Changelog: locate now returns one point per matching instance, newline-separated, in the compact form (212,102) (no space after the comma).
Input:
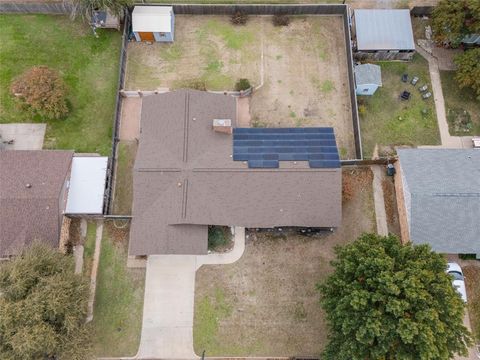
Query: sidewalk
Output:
(167,328)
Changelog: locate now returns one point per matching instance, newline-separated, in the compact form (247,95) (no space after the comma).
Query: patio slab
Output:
(24,136)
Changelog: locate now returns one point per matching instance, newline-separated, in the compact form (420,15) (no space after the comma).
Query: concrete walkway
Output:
(379,201)
(24,136)
(93,274)
(167,328)
(448,141)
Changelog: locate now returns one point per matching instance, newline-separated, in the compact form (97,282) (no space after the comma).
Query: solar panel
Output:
(265,147)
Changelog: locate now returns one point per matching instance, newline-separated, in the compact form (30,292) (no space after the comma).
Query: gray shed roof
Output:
(383,30)
(368,74)
(185,178)
(445,197)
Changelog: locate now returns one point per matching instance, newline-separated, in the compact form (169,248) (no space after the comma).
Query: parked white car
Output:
(458,279)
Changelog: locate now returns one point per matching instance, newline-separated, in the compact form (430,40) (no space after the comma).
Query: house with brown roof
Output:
(38,188)
(194,168)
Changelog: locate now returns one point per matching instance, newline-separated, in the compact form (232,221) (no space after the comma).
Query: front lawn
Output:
(461,106)
(117,317)
(266,303)
(89,66)
(387,120)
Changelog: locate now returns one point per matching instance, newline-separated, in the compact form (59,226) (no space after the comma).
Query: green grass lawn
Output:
(89,66)
(122,202)
(461,105)
(387,121)
(117,317)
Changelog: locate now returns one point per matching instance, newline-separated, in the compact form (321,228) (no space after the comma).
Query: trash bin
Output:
(390,170)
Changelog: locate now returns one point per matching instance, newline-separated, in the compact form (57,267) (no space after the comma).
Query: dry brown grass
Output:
(266,304)
(472,282)
(391,208)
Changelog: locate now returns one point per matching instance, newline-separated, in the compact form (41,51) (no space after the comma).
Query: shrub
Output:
(239,18)
(242,84)
(195,84)
(281,20)
(467,256)
(218,236)
(362,109)
(43,91)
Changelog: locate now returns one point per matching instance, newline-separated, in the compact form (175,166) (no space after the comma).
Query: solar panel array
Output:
(265,147)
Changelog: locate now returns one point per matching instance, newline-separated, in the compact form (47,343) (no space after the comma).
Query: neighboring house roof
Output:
(383,30)
(87,185)
(185,179)
(31,203)
(445,197)
(368,74)
(152,19)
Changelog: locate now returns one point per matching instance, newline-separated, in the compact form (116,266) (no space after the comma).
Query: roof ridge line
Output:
(185,126)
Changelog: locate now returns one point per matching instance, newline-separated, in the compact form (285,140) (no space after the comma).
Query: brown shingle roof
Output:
(185,179)
(32,212)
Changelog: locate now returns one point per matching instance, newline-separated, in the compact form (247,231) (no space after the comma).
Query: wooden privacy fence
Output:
(112,161)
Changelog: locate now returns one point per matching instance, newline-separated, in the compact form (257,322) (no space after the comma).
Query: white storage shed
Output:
(153,23)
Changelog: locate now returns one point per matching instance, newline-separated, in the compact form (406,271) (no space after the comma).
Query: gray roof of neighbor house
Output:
(383,29)
(445,197)
(368,74)
(185,179)
(31,204)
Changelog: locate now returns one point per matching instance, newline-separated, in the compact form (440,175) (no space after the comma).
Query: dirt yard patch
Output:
(472,281)
(130,119)
(266,304)
(300,69)
(391,208)
(207,49)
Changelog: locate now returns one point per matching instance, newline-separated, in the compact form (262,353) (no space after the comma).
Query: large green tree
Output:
(42,307)
(453,19)
(388,301)
(468,70)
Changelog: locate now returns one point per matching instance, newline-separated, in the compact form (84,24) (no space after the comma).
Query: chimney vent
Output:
(222,126)
(28,186)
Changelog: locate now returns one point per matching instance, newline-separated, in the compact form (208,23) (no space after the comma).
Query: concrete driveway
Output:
(24,136)
(167,327)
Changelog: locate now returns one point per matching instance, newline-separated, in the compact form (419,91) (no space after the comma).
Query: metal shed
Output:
(368,78)
(153,23)
(386,33)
